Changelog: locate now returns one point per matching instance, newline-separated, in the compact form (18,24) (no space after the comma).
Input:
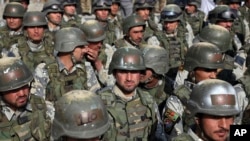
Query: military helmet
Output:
(127,58)
(34,18)
(69,2)
(132,21)
(233,1)
(203,55)
(171,12)
(221,12)
(94,31)
(80,114)
(139,4)
(67,39)
(20,1)
(116,1)
(13,74)
(52,6)
(196,3)
(155,58)
(13,9)
(217,35)
(101,4)
(213,97)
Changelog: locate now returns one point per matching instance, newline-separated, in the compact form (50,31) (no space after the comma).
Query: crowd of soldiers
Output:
(113,70)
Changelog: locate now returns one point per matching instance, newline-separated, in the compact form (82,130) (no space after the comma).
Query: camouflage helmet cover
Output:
(52,6)
(13,9)
(196,3)
(80,114)
(155,58)
(127,58)
(34,18)
(69,2)
(213,97)
(138,4)
(171,12)
(203,55)
(132,21)
(94,31)
(67,39)
(13,74)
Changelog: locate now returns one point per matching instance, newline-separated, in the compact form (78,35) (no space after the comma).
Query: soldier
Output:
(133,30)
(202,62)
(145,10)
(244,10)
(194,16)
(70,16)
(53,12)
(132,110)
(67,72)
(115,17)
(101,10)
(153,80)
(213,105)
(173,39)
(80,115)
(37,45)
(224,16)
(23,115)
(9,34)
(99,52)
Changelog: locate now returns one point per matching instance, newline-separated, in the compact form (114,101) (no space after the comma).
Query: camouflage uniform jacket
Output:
(31,123)
(123,42)
(196,21)
(189,136)
(132,118)
(53,80)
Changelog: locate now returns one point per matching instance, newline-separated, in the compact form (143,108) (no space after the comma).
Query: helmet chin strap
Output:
(73,58)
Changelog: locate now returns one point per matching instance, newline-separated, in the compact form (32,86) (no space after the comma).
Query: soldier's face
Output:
(170,27)
(147,76)
(190,9)
(35,33)
(234,5)
(127,80)
(17,98)
(115,9)
(215,128)
(136,34)
(102,14)
(144,13)
(14,23)
(70,10)
(55,17)
(79,53)
(226,24)
(203,74)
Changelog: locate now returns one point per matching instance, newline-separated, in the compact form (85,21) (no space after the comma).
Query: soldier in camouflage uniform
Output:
(146,11)
(36,46)
(133,111)
(224,16)
(52,10)
(23,116)
(133,30)
(67,72)
(9,34)
(101,10)
(213,105)
(194,16)
(173,39)
(245,12)
(115,17)
(70,16)
(202,62)
(156,62)
(80,115)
